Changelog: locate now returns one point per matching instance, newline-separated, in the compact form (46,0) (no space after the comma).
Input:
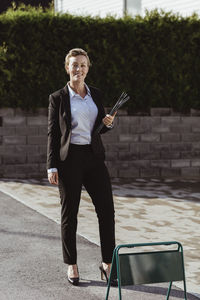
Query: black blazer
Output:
(59,126)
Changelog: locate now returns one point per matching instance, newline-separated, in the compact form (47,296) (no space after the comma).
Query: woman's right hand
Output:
(53,178)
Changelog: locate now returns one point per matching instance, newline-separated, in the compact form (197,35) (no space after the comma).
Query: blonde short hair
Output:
(75,52)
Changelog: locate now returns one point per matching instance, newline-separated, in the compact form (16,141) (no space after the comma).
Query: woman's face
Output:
(77,68)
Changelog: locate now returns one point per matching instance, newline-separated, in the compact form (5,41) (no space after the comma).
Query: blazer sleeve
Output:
(54,134)
(105,128)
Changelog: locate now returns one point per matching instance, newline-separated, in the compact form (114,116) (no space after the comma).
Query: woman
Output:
(75,157)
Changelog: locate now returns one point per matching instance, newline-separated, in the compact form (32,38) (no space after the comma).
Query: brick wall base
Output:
(137,147)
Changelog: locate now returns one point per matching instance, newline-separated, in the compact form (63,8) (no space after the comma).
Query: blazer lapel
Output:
(66,106)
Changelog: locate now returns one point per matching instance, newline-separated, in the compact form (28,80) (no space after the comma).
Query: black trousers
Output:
(82,167)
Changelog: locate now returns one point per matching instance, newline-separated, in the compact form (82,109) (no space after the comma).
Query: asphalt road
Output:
(31,266)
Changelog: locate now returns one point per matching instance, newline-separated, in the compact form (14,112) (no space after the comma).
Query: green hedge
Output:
(155,59)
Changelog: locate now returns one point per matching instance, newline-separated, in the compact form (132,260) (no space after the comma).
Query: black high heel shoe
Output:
(73,280)
(113,282)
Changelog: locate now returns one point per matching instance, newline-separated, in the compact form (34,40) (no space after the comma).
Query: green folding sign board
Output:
(136,268)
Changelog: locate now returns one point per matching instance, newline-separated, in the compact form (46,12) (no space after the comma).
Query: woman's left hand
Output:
(108,120)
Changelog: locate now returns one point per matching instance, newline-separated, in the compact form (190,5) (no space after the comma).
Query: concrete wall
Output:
(90,7)
(156,146)
(115,7)
(183,7)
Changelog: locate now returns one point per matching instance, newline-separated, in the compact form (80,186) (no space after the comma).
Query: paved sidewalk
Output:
(32,267)
(146,211)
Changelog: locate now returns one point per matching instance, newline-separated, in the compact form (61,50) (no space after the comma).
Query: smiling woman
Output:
(75,157)
(77,67)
